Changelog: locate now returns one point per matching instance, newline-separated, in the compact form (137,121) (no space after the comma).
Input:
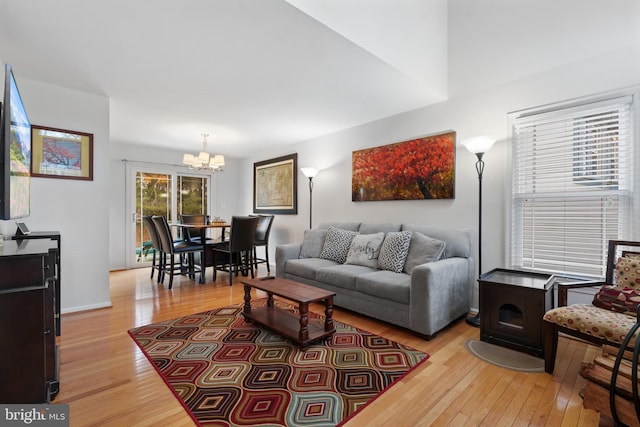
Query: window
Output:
(572,185)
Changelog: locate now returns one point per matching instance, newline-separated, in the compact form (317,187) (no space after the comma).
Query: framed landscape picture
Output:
(60,153)
(275,185)
(421,168)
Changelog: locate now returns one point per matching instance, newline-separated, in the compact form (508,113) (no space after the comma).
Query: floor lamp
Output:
(310,173)
(478,146)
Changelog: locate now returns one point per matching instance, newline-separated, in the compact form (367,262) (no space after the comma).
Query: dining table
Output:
(203,238)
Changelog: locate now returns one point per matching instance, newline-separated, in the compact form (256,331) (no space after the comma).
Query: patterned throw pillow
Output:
(394,251)
(616,299)
(337,244)
(628,272)
(365,249)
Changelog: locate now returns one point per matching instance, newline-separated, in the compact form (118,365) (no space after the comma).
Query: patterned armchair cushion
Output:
(613,298)
(628,272)
(592,320)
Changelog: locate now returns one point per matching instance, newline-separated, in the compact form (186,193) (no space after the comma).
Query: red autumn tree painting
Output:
(421,168)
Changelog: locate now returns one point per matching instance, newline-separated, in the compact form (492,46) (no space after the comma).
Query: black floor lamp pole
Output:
(310,200)
(475,320)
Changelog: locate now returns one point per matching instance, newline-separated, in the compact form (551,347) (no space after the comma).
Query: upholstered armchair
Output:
(613,310)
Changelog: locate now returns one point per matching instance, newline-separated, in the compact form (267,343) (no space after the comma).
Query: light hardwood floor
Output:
(107,381)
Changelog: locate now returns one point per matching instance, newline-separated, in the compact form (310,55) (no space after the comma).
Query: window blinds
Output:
(571,186)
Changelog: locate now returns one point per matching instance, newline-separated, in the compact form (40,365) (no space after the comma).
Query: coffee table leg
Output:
(328,313)
(270,300)
(304,321)
(247,299)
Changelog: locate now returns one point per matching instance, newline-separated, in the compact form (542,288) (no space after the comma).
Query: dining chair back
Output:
(193,234)
(185,250)
(236,253)
(263,230)
(148,224)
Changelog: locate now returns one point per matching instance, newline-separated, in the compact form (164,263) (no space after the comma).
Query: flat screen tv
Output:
(15,152)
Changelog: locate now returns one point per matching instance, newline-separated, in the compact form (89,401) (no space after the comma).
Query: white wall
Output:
(78,209)
(471,115)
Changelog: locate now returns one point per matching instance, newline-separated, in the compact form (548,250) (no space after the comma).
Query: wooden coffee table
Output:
(297,328)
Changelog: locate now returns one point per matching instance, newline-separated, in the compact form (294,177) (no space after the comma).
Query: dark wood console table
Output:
(29,356)
(55,236)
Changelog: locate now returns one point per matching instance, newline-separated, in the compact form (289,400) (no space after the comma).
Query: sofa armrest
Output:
(440,293)
(284,253)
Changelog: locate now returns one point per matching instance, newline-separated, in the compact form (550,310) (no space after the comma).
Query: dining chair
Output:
(236,253)
(193,234)
(262,239)
(171,248)
(155,244)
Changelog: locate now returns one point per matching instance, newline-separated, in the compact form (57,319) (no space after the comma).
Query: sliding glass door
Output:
(154,191)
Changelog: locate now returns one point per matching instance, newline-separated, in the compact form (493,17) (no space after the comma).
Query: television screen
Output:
(16,153)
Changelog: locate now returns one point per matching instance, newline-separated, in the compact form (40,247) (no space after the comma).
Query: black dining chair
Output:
(236,253)
(170,249)
(155,245)
(262,239)
(193,234)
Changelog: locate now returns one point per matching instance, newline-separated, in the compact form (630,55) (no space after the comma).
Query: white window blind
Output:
(571,186)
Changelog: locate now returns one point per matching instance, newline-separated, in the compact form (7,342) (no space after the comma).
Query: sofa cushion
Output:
(394,251)
(628,272)
(342,275)
(387,227)
(458,241)
(365,249)
(386,285)
(312,243)
(423,249)
(307,267)
(351,226)
(337,244)
(613,298)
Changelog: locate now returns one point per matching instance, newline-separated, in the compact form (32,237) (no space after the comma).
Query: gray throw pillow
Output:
(365,249)
(394,251)
(423,249)
(337,244)
(312,243)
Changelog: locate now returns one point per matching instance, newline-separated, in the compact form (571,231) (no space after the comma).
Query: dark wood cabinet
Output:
(512,304)
(55,236)
(29,356)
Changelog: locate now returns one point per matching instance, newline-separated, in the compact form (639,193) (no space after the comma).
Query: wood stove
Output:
(512,304)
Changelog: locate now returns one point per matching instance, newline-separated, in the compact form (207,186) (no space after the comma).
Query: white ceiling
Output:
(272,72)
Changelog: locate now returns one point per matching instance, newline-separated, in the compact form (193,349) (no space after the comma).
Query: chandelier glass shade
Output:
(204,160)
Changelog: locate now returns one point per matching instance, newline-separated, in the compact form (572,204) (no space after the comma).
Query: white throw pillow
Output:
(365,249)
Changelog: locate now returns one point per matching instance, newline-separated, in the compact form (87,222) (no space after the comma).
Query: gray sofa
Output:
(424,297)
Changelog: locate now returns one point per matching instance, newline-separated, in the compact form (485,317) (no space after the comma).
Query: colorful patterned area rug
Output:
(228,372)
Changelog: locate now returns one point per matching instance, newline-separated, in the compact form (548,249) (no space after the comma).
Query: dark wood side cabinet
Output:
(512,304)
(29,356)
(55,236)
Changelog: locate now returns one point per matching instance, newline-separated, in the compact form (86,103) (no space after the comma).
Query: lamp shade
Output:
(309,172)
(479,144)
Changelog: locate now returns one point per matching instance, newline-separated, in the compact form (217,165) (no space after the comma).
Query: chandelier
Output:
(204,160)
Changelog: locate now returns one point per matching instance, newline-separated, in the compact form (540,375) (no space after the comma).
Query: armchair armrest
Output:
(563,288)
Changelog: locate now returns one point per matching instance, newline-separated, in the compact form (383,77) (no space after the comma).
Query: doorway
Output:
(154,191)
